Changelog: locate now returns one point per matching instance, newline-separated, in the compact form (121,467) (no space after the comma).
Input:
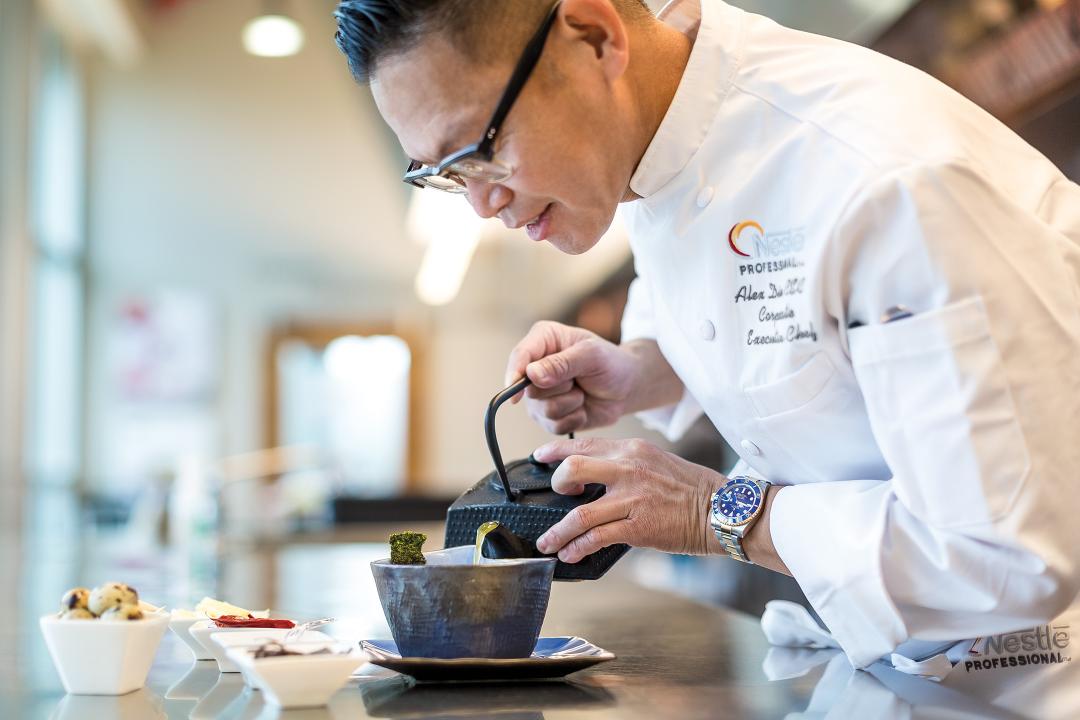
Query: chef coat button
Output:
(708,331)
(750,448)
(705,196)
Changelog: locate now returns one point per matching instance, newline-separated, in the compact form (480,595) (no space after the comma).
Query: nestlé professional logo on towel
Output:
(1043,645)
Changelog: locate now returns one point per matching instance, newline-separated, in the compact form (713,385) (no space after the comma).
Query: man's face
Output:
(561,138)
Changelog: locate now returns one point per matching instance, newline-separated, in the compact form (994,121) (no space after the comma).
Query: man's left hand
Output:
(653,499)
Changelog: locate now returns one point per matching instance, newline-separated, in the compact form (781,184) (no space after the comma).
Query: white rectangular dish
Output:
(215,639)
(299,681)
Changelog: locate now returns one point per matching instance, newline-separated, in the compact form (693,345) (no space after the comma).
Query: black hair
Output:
(369,31)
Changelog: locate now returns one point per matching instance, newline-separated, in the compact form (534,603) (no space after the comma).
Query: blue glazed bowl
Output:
(450,608)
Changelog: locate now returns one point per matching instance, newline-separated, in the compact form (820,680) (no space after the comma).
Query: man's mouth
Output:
(538,227)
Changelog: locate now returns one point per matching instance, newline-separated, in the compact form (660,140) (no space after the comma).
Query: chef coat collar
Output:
(714,59)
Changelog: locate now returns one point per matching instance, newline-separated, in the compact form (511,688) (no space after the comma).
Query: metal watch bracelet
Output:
(731,543)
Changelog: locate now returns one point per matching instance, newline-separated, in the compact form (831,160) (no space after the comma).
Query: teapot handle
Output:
(493,441)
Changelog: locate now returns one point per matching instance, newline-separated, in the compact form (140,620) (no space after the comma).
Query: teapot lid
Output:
(528,475)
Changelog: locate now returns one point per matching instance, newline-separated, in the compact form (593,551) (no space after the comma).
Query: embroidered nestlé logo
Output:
(1043,645)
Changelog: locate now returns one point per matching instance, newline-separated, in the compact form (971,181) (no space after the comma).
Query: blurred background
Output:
(225,324)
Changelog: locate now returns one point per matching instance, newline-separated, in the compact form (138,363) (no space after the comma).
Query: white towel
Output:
(790,625)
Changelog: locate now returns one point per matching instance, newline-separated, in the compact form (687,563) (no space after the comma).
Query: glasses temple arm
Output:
(529,57)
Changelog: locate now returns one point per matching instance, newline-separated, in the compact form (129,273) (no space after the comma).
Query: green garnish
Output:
(407,548)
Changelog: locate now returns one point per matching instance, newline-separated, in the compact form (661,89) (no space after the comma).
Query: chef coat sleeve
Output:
(974,402)
(741,467)
(639,323)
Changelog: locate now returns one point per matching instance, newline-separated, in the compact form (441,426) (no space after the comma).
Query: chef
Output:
(869,285)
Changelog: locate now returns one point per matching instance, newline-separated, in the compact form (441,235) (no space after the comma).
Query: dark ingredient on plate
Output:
(276,649)
(407,548)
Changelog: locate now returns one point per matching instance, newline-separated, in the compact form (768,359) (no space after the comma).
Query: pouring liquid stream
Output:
(481,535)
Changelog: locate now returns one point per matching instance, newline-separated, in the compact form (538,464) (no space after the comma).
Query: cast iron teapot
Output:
(519,497)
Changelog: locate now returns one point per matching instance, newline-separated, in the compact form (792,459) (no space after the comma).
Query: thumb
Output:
(583,358)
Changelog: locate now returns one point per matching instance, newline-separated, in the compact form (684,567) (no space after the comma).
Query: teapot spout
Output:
(500,543)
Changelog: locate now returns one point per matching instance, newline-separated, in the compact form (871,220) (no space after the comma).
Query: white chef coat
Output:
(798,190)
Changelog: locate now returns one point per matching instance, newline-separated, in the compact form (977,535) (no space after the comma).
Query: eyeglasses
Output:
(477,161)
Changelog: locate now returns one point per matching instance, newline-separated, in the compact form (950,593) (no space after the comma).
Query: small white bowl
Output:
(180,627)
(229,643)
(202,640)
(223,641)
(204,631)
(101,657)
(299,681)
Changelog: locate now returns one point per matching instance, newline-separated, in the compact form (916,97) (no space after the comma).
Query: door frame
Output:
(321,334)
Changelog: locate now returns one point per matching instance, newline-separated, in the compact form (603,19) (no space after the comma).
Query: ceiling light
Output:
(273,35)
(444,267)
(450,230)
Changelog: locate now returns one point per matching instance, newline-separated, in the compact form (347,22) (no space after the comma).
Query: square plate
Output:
(553,657)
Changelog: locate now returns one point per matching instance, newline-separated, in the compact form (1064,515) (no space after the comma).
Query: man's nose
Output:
(487,199)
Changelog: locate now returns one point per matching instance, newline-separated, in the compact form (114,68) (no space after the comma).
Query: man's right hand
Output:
(580,380)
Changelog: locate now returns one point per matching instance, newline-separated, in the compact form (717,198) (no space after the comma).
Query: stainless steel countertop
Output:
(676,658)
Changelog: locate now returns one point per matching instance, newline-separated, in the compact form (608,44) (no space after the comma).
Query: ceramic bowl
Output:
(299,681)
(223,642)
(450,608)
(180,626)
(99,657)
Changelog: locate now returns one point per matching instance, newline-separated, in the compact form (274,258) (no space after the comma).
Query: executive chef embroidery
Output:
(771,294)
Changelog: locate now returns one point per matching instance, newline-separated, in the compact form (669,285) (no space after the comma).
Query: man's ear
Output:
(597,26)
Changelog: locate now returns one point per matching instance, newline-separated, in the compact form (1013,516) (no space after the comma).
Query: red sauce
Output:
(233,621)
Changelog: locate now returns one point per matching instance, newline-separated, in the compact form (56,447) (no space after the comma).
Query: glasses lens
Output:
(477,168)
(448,183)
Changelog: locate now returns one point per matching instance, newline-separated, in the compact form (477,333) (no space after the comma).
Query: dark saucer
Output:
(554,657)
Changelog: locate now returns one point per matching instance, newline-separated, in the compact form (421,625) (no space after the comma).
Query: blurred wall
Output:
(271,187)
(16,22)
(248,180)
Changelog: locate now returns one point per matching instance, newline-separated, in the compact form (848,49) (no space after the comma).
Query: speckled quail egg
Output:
(76,614)
(111,595)
(75,599)
(123,612)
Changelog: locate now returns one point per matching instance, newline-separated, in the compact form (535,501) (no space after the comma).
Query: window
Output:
(349,398)
(53,440)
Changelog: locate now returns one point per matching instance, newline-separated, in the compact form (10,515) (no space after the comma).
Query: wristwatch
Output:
(734,509)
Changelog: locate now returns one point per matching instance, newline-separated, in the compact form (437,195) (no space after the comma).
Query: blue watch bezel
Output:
(744,517)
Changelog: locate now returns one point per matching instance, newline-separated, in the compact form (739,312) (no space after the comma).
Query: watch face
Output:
(737,502)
